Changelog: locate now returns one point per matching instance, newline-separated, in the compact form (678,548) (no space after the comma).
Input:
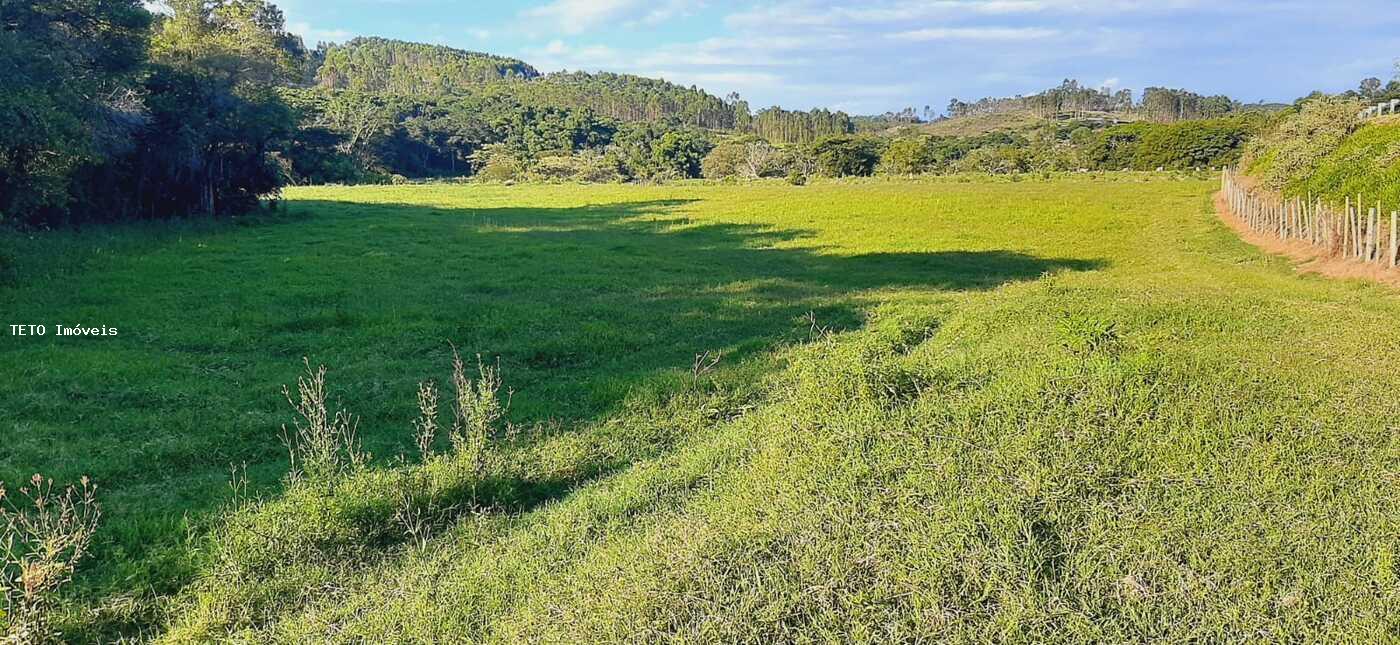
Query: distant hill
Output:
(633,98)
(399,67)
(384,66)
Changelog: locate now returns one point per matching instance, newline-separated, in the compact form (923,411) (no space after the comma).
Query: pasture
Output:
(957,408)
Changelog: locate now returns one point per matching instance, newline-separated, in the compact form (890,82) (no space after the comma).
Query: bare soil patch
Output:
(1307,257)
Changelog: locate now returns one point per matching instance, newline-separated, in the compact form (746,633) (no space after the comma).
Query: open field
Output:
(1034,411)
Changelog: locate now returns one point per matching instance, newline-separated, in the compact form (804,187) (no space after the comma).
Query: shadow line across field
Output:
(585,307)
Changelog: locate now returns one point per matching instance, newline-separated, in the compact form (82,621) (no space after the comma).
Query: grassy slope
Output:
(968,126)
(1170,435)
(1367,164)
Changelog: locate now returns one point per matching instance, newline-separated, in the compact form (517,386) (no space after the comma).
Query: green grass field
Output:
(959,409)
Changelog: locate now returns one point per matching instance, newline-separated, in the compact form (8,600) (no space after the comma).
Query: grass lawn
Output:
(962,409)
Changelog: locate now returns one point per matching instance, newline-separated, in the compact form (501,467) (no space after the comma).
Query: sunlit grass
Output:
(1029,411)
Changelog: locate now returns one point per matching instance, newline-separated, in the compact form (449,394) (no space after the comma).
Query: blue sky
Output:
(869,57)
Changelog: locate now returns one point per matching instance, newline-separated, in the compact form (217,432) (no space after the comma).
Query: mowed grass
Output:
(1021,411)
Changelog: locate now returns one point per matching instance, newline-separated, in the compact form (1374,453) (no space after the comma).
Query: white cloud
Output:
(579,16)
(809,13)
(313,35)
(1013,34)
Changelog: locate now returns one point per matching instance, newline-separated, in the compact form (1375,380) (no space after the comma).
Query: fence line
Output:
(1356,232)
(1384,107)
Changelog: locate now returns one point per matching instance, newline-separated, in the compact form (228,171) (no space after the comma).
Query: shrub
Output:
(476,410)
(555,168)
(723,161)
(1191,144)
(846,156)
(1293,148)
(1366,164)
(907,157)
(497,163)
(324,447)
(997,160)
(597,168)
(679,153)
(1116,148)
(42,539)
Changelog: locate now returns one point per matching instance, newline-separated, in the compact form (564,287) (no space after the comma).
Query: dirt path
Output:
(1307,258)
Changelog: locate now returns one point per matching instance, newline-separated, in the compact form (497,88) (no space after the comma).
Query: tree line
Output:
(111,112)
(1164,105)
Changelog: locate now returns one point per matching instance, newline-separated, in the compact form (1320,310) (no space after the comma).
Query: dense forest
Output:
(110,112)
(394,66)
(212,105)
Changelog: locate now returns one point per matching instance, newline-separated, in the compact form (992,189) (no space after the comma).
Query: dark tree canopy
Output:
(67,69)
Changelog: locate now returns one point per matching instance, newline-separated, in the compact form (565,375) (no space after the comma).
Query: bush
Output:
(1290,152)
(723,161)
(496,163)
(996,160)
(1366,164)
(679,153)
(907,157)
(42,539)
(597,168)
(555,168)
(847,156)
(1192,144)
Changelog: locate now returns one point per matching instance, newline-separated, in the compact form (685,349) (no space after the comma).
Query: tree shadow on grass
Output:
(582,303)
(584,306)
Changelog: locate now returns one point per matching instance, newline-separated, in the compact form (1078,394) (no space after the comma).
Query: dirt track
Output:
(1307,258)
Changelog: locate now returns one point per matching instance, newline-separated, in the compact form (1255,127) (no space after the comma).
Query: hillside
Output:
(1367,164)
(1320,151)
(395,66)
(627,97)
(383,66)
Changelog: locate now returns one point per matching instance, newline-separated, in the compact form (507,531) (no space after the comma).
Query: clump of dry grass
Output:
(324,445)
(44,535)
(477,410)
(425,426)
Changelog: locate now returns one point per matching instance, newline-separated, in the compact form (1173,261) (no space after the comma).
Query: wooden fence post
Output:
(1371,234)
(1394,243)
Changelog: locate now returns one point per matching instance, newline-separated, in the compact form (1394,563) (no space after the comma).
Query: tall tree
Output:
(64,65)
(211,95)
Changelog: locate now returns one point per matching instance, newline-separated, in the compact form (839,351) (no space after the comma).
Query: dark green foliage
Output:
(426,136)
(398,67)
(1189,144)
(679,153)
(207,147)
(782,126)
(625,97)
(99,121)
(847,156)
(1116,148)
(64,67)
(380,65)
